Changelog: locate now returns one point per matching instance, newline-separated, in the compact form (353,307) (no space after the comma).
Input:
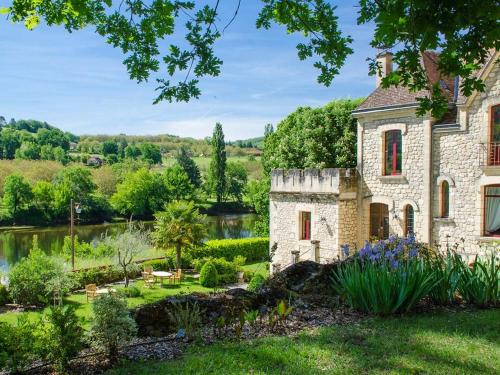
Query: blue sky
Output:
(78,83)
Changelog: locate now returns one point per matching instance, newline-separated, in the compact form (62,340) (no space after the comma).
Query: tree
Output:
(17,193)
(53,137)
(132,151)
(127,246)
(28,151)
(43,199)
(11,142)
(109,147)
(177,183)
(218,163)
(258,194)
(72,183)
(47,152)
(181,225)
(314,138)
(112,326)
(140,194)
(236,180)
(463,30)
(151,153)
(189,167)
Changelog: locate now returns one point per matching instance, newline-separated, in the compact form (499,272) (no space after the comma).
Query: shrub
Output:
(254,249)
(239,260)
(479,284)
(4,295)
(130,292)
(29,278)
(383,287)
(112,326)
(17,344)
(256,283)
(208,276)
(187,319)
(445,271)
(60,337)
(226,271)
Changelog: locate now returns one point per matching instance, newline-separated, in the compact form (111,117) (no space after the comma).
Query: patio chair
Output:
(176,276)
(149,280)
(91,291)
(148,269)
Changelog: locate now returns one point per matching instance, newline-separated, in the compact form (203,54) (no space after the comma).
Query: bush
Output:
(256,283)
(226,271)
(445,272)
(112,326)
(208,276)
(254,249)
(479,284)
(99,276)
(17,344)
(4,295)
(156,264)
(383,287)
(130,292)
(29,278)
(60,337)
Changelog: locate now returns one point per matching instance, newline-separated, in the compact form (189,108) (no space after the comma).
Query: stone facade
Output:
(340,200)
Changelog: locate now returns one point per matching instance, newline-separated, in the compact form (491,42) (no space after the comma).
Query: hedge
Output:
(254,249)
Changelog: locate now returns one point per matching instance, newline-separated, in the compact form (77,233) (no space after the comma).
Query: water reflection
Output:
(15,244)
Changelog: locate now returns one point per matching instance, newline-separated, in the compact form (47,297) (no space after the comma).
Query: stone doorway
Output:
(379,221)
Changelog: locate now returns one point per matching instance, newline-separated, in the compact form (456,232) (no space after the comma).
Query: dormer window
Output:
(393,153)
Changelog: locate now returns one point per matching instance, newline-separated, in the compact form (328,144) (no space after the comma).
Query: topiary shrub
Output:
(226,270)
(209,277)
(130,292)
(256,283)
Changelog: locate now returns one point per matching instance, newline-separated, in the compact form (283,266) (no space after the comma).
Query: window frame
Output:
(394,134)
(485,197)
(444,207)
(305,226)
(406,227)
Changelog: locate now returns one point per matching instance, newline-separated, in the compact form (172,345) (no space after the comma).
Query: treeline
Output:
(33,140)
(129,188)
(169,145)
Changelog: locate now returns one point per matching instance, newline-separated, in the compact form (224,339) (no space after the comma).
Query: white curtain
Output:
(492,209)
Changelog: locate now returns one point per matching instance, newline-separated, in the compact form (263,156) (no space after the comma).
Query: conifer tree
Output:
(218,163)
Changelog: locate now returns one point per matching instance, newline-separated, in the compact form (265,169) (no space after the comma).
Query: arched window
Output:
(409,220)
(393,152)
(445,199)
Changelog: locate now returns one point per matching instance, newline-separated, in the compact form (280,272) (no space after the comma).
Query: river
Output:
(15,243)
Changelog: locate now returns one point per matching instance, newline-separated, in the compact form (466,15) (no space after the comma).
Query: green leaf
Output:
(4,10)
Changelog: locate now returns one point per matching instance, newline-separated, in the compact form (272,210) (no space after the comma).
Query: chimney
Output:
(384,59)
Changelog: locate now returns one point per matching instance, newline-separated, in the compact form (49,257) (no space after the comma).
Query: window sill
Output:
(444,220)
(393,179)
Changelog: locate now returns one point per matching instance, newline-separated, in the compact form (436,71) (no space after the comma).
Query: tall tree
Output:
(17,193)
(218,163)
(180,226)
(189,166)
(463,30)
(177,183)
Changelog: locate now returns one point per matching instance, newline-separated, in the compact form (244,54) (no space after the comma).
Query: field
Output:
(447,342)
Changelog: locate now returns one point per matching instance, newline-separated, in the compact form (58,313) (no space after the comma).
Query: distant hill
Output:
(257,143)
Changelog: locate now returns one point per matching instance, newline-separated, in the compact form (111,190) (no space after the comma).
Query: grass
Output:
(259,267)
(466,342)
(84,309)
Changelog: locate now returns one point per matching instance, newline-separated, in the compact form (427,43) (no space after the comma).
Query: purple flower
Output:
(392,238)
(394,264)
(413,252)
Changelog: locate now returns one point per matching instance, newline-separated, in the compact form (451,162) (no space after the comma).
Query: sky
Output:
(78,83)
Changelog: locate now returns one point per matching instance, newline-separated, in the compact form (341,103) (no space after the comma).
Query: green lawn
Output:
(83,308)
(260,267)
(466,342)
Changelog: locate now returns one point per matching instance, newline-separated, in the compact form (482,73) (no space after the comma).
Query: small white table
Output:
(161,275)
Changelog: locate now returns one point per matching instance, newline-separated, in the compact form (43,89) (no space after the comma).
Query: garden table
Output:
(161,275)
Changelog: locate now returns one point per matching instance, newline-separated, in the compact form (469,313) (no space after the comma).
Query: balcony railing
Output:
(489,154)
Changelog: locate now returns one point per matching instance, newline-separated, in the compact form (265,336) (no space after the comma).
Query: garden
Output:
(338,313)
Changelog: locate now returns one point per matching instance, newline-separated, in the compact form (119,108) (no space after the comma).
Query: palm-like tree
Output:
(181,225)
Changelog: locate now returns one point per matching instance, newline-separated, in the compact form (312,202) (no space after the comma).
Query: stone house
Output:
(439,179)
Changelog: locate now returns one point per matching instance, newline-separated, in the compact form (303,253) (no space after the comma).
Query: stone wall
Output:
(330,196)
(395,191)
(456,159)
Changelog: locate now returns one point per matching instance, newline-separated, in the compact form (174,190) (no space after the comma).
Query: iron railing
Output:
(489,154)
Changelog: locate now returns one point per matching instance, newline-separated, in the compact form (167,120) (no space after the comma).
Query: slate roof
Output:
(395,96)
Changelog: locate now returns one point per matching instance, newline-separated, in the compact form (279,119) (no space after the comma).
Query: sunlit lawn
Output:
(466,342)
(149,295)
(260,267)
